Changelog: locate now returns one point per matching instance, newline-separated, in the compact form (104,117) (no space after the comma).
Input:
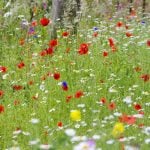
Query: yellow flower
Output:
(75,115)
(118,129)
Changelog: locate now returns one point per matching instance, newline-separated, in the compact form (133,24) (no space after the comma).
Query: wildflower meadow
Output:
(83,91)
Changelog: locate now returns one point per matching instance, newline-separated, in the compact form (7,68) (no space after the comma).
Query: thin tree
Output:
(57,14)
(117,5)
(143,7)
(31,9)
(58,9)
(130,7)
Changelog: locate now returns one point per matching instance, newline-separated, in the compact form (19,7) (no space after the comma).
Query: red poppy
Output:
(137,69)
(141,112)
(49,51)
(137,107)
(43,77)
(114,48)
(126,26)
(17,87)
(148,42)
(1,108)
(79,94)
(105,54)
(112,44)
(16,102)
(68,98)
(43,53)
(128,34)
(112,106)
(101,81)
(127,119)
(65,34)
(21,65)
(141,125)
(53,43)
(59,124)
(44,21)
(83,49)
(131,120)
(103,100)
(119,24)
(95,34)
(21,41)
(133,13)
(30,82)
(3,69)
(145,77)
(1,93)
(35,97)
(56,76)
(65,88)
(34,23)
(67,50)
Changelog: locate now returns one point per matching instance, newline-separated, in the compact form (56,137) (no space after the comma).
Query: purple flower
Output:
(31,30)
(44,4)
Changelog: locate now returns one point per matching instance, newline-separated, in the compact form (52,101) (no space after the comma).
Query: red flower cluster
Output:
(112,44)
(44,21)
(84,47)
(127,119)
(48,51)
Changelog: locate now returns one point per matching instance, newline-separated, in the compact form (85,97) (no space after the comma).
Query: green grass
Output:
(81,72)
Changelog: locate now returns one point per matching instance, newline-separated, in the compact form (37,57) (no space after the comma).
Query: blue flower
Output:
(142,22)
(64,84)
(95,28)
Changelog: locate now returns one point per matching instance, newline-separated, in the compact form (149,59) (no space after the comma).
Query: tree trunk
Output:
(143,7)
(130,8)
(117,5)
(31,9)
(61,10)
(57,14)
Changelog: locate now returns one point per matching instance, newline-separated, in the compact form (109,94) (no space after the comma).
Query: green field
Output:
(102,72)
